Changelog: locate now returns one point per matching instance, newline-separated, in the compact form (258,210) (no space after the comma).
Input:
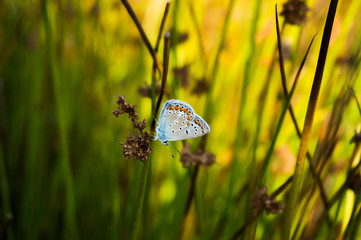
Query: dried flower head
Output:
(262,201)
(202,86)
(183,75)
(356,138)
(354,181)
(95,10)
(346,60)
(183,37)
(116,5)
(295,12)
(69,11)
(147,89)
(135,146)
(199,157)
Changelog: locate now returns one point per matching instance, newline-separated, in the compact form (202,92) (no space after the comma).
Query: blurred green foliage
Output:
(64,63)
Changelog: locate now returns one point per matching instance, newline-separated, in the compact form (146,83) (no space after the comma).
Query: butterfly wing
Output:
(197,128)
(178,121)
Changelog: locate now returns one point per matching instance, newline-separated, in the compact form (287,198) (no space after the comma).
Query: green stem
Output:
(146,167)
(288,100)
(209,102)
(248,70)
(70,210)
(306,134)
(5,198)
(141,194)
(357,219)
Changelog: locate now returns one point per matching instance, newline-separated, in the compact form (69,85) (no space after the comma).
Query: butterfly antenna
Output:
(177,150)
(171,151)
(155,120)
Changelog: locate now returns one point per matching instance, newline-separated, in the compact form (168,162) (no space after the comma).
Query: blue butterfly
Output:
(178,121)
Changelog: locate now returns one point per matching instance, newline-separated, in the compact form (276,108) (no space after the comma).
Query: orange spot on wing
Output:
(188,123)
(170,107)
(189,118)
(176,107)
(181,109)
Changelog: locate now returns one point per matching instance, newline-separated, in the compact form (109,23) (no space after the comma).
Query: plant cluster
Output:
(135,146)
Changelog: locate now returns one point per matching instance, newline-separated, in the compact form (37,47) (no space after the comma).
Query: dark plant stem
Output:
(143,35)
(145,172)
(191,190)
(306,134)
(156,48)
(164,78)
(5,196)
(354,95)
(293,117)
(189,199)
(161,28)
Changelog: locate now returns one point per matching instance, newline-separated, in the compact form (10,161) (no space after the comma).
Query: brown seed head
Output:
(135,146)
(295,12)
(197,158)
(262,201)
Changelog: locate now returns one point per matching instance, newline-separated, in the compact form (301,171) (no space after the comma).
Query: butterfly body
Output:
(178,121)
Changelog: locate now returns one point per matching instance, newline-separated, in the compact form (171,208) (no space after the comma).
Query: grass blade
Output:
(287,104)
(306,134)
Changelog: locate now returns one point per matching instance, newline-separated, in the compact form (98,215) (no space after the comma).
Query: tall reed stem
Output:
(71,231)
(145,171)
(306,134)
